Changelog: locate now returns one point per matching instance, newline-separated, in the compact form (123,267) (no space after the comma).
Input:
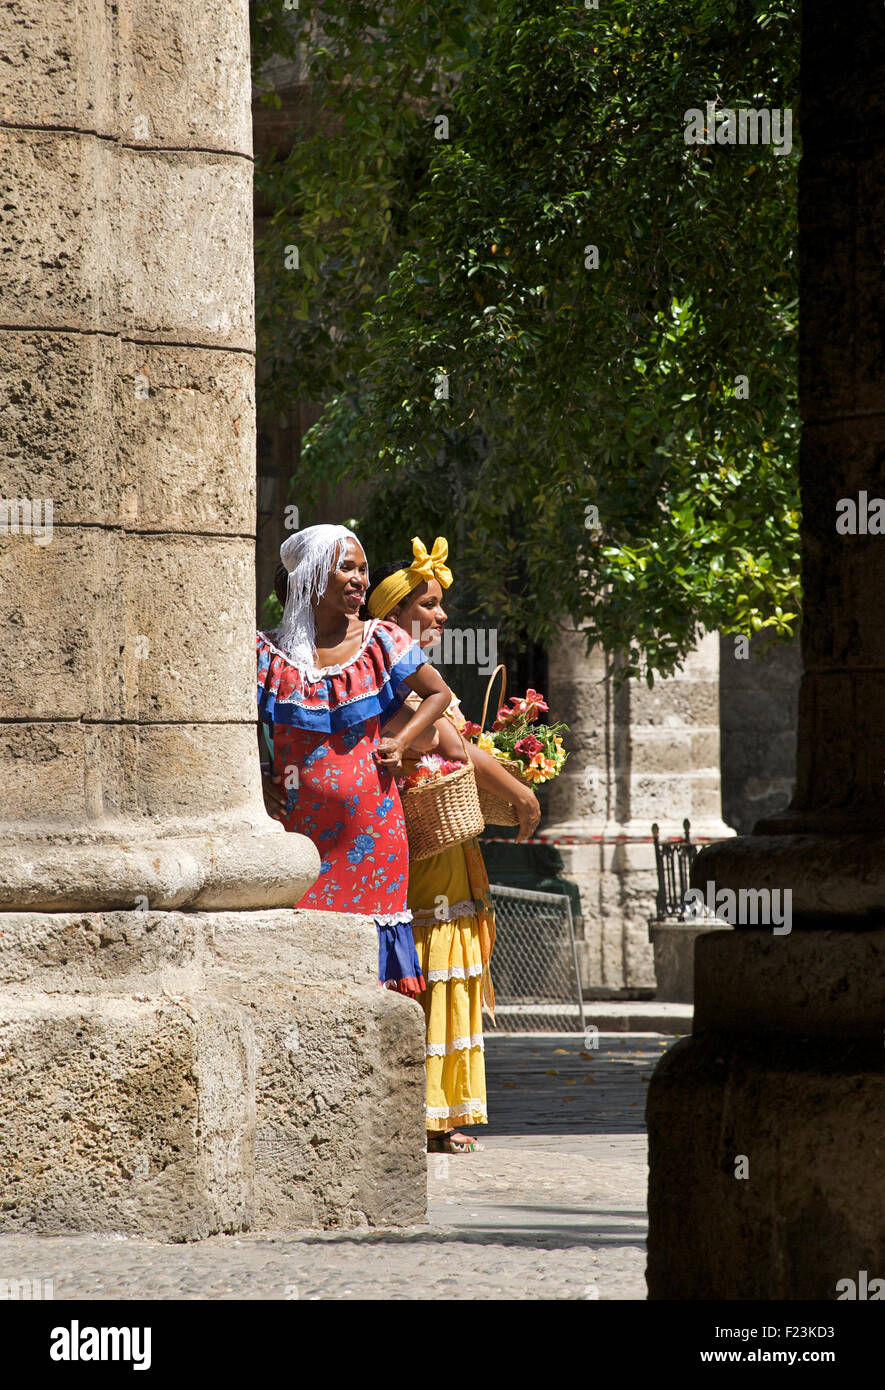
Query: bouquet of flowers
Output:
(429,768)
(531,751)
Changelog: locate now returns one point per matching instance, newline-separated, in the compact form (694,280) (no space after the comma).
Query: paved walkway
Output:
(553,1208)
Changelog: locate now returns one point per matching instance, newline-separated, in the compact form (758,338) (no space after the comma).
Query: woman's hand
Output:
(528,809)
(389,755)
(491,775)
(274,796)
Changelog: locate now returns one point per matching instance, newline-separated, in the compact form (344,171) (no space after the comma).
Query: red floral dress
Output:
(326,724)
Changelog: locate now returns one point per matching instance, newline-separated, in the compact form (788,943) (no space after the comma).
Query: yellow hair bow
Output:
(425,566)
(432,564)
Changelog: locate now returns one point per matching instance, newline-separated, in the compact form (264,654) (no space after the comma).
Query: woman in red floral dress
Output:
(327,684)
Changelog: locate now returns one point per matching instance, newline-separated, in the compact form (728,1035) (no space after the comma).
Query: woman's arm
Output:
(424,741)
(435,700)
(491,775)
(451,745)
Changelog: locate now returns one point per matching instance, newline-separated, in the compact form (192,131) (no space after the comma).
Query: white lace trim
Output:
(427,915)
(391,919)
(306,704)
(317,673)
(456,1045)
(471,1106)
(455,972)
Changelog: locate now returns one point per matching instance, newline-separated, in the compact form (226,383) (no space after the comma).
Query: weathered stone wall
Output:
(127,352)
(637,755)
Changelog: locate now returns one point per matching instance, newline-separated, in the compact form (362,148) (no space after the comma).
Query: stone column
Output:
(179,1051)
(637,755)
(787,1065)
(758,709)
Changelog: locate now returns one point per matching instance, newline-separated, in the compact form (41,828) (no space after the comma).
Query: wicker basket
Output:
(495,810)
(442,813)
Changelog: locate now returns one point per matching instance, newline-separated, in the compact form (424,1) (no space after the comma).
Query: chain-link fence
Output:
(535,963)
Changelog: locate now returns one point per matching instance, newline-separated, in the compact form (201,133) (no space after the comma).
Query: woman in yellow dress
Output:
(452,918)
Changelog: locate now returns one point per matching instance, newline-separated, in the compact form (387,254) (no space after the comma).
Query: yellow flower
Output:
(484,741)
(539,769)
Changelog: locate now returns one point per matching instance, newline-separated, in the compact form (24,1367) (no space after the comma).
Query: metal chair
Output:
(673,860)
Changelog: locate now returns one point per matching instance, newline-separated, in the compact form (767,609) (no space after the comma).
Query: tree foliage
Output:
(490,381)
(343,193)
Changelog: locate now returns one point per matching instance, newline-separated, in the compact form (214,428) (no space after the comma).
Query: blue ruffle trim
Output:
(398,964)
(323,718)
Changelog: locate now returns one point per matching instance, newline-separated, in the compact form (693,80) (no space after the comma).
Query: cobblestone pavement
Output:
(552,1208)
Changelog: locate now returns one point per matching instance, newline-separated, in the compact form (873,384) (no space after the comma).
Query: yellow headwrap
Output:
(424,566)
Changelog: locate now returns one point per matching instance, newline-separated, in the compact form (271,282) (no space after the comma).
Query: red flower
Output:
(506,716)
(470,729)
(528,746)
(533,705)
(523,711)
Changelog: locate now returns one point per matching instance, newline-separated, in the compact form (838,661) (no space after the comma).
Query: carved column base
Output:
(765,1127)
(172,1075)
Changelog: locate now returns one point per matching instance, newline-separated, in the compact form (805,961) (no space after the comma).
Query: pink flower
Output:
(523,711)
(528,746)
(506,716)
(430,764)
(470,729)
(430,768)
(533,705)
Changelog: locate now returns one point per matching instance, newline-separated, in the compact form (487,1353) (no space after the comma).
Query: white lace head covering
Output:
(309,556)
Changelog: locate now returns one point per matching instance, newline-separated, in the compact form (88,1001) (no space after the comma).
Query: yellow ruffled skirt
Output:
(454,930)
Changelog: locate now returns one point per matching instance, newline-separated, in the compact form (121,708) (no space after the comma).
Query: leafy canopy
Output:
(559,308)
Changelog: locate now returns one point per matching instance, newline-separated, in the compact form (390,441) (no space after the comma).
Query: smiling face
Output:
(423,606)
(346,585)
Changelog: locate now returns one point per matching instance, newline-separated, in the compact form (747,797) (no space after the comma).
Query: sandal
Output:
(450,1141)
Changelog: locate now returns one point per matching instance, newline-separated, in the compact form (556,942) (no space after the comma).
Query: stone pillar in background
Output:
(787,1065)
(180,1053)
(636,756)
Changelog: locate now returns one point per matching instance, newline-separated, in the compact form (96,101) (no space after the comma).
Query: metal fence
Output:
(535,968)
